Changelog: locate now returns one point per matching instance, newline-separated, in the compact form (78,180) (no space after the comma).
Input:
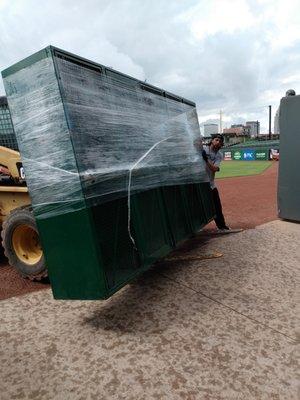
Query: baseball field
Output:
(230,169)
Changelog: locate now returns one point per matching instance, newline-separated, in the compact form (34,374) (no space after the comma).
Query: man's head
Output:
(290,92)
(217,141)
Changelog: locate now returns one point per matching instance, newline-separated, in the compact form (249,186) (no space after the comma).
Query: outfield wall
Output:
(248,154)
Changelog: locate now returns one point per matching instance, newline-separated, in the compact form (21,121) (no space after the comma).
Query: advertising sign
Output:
(227,155)
(237,155)
(261,155)
(274,154)
(248,155)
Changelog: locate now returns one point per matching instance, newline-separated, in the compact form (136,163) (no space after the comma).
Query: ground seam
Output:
(229,308)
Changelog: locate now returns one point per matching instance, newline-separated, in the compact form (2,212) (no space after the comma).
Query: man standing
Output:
(213,157)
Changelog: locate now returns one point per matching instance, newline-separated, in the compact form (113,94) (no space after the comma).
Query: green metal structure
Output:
(289,173)
(96,234)
(274,144)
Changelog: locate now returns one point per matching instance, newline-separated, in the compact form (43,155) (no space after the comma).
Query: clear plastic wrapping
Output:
(89,135)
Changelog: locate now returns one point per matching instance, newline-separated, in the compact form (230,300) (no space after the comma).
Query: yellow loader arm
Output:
(19,233)
(10,162)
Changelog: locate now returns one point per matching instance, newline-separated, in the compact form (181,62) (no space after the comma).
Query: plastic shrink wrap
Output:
(91,137)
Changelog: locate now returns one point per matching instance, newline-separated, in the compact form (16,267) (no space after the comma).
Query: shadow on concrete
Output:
(151,303)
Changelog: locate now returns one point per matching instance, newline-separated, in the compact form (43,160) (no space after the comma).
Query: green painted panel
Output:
(195,206)
(73,260)
(262,154)
(289,172)
(176,210)
(119,257)
(237,155)
(153,238)
(204,192)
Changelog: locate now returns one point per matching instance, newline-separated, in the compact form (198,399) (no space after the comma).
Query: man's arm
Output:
(211,166)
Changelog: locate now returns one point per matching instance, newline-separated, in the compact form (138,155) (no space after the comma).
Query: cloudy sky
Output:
(235,55)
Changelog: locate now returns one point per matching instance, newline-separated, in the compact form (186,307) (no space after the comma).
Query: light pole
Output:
(270,114)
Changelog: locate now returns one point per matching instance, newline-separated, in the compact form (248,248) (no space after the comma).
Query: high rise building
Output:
(254,128)
(210,129)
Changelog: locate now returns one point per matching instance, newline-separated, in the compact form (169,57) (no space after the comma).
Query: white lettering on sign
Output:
(227,155)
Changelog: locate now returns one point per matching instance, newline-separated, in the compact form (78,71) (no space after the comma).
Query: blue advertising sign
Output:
(248,155)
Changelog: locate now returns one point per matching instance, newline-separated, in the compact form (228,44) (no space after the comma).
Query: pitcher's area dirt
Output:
(220,329)
(247,202)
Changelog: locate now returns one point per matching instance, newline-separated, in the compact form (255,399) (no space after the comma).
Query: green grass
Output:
(242,168)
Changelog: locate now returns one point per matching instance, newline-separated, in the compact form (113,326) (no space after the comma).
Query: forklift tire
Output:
(21,243)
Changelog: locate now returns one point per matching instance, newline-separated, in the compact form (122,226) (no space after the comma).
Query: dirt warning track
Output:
(251,200)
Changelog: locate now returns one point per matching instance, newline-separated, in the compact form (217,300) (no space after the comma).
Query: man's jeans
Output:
(219,220)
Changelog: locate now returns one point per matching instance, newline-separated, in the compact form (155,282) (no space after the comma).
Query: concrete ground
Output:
(221,328)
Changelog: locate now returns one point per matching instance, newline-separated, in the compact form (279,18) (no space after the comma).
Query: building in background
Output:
(210,129)
(236,134)
(254,128)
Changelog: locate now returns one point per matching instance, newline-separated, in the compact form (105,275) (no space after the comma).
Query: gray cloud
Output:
(186,47)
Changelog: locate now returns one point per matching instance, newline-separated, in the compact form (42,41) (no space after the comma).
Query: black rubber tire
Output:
(21,216)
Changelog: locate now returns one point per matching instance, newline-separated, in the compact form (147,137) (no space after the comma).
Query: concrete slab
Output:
(157,338)
(258,275)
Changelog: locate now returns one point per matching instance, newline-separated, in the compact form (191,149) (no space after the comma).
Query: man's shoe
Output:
(226,229)
(223,229)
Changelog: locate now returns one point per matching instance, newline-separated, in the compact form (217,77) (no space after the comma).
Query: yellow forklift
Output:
(20,237)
